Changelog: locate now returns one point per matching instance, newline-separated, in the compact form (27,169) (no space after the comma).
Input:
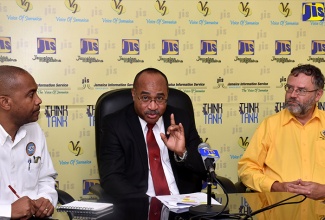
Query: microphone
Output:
(209,157)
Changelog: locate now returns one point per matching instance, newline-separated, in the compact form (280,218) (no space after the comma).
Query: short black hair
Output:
(8,76)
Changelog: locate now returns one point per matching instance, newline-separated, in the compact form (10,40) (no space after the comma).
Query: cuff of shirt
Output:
(180,159)
(267,184)
(5,211)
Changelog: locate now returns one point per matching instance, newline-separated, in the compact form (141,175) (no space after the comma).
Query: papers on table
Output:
(181,203)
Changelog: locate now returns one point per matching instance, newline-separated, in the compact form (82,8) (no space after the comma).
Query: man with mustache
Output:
(125,168)
(287,151)
(27,175)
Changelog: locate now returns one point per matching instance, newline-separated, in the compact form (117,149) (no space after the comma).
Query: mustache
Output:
(291,100)
(152,112)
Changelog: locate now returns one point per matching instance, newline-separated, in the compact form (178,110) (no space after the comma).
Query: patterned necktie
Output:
(155,209)
(157,172)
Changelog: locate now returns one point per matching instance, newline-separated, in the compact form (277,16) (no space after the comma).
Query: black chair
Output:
(114,100)
(64,198)
(241,188)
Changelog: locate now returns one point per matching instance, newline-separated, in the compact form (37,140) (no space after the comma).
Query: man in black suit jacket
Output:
(124,165)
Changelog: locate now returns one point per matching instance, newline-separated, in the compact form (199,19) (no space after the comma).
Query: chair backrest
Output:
(114,100)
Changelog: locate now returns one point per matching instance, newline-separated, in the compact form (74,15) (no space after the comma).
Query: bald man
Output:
(27,183)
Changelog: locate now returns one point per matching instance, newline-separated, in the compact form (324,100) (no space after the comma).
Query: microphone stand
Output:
(208,208)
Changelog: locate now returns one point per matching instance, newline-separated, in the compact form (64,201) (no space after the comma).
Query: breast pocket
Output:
(31,176)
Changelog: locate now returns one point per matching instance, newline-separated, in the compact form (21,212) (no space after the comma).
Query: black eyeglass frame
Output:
(299,91)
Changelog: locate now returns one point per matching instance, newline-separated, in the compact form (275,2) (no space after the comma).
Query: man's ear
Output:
(319,95)
(5,102)
(133,93)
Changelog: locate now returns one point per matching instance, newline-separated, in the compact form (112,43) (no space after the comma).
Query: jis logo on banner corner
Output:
(130,47)
(246,47)
(170,47)
(5,45)
(208,47)
(249,112)
(313,11)
(282,47)
(89,46)
(46,45)
(86,184)
(318,47)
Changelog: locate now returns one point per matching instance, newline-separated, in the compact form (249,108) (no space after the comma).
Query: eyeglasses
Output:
(299,91)
(147,100)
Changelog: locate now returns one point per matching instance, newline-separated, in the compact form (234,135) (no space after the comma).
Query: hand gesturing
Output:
(176,137)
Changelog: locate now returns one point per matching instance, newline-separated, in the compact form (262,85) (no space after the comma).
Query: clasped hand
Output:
(25,208)
(311,189)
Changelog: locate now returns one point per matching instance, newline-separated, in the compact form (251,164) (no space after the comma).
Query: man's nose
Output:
(294,93)
(153,104)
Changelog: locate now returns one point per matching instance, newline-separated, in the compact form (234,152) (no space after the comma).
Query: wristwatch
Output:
(182,158)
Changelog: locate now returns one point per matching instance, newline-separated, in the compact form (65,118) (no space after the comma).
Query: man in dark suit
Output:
(125,167)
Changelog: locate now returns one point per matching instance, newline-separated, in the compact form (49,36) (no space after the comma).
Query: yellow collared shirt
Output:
(282,149)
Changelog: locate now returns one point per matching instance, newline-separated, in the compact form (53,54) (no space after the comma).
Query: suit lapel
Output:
(139,142)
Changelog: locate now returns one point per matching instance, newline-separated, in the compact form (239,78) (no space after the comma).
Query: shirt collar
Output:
(143,123)
(4,136)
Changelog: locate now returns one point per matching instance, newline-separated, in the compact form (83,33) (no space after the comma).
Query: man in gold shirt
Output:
(287,151)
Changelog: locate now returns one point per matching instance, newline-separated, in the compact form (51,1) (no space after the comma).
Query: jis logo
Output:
(5,45)
(130,47)
(170,47)
(86,184)
(313,11)
(208,47)
(282,47)
(318,47)
(89,46)
(246,47)
(46,45)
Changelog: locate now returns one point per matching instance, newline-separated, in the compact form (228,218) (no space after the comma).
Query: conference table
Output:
(239,203)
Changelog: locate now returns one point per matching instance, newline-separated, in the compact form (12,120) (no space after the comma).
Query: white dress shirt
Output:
(157,129)
(25,164)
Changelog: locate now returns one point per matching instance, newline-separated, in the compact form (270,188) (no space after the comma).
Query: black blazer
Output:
(124,163)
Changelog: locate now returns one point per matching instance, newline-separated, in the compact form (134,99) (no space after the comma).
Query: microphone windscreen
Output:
(203,146)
